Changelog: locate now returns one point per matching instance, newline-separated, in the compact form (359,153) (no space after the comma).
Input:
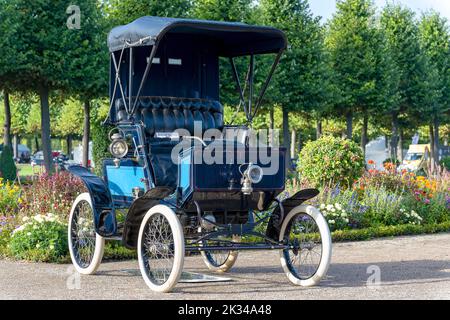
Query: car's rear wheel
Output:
(308,257)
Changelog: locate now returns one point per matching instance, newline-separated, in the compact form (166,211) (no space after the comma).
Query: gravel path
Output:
(410,268)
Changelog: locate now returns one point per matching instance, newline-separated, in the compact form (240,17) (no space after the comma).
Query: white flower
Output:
(25,219)
(52,247)
(28,233)
(330,207)
(322,206)
(331,222)
(38,246)
(338,206)
(333,210)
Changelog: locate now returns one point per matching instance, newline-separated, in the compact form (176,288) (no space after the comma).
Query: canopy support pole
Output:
(130,78)
(251,79)
(147,70)
(266,84)
(118,77)
(236,78)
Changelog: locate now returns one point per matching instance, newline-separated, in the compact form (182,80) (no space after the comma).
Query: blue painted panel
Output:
(185,173)
(121,181)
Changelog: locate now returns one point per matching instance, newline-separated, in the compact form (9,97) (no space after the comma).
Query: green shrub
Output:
(100,146)
(445,162)
(8,168)
(40,238)
(330,160)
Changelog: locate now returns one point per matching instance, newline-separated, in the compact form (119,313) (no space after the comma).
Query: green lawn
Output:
(26,170)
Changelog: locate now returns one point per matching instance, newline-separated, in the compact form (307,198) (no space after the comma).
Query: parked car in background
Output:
(58,157)
(24,153)
(417,158)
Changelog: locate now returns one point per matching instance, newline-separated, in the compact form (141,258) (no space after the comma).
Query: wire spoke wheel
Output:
(158,250)
(304,258)
(220,260)
(307,258)
(161,249)
(85,245)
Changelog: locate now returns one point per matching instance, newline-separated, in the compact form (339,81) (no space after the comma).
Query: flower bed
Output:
(33,221)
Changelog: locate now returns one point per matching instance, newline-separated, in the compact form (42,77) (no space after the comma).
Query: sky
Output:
(326,8)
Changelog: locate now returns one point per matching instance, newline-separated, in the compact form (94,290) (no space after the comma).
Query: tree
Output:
(125,11)
(435,42)
(413,87)
(48,54)
(8,170)
(68,123)
(222,10)
(356,49)
(301,82)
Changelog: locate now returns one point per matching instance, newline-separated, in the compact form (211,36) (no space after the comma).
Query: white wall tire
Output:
(86,247)
(160,248)
(312,278)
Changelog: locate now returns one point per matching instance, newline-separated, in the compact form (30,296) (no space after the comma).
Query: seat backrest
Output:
(166,114)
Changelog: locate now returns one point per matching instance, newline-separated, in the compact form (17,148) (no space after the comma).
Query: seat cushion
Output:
(166,114)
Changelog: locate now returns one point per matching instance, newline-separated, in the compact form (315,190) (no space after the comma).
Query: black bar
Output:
(251,80)
(130,78)
(147,70)
(237,248)
(236,78)
(266,84)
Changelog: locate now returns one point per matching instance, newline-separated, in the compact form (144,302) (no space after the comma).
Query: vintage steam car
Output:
(164,104)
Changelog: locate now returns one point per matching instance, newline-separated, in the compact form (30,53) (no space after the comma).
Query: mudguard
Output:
(104,217)
(276,220)
(137,212)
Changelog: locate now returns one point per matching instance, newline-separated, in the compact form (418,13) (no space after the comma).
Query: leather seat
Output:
(166,114)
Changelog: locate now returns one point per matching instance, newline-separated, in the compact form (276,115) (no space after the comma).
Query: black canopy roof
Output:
(230,38)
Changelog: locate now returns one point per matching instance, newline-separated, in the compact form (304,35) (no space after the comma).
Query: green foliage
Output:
(8,170)
(302,81)
(9,198)
(100,139)
(40,238)
(445,162)
(125,11)
(70,118)
(388,231)
(363,72)
(330,160)
(434,36)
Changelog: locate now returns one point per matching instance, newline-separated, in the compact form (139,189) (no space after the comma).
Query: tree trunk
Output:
(364,132)
(86,132)
(286,137)
(349,120)
(400,146)
(293,144)
(436,146)
(433,160)
(16,146)
(7,125)
(394,137)
(318,129)
(36,141)
(69,146)
(272,118)
(45,129)
(300,143)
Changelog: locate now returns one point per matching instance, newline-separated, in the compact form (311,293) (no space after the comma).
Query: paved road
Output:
(411,268)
